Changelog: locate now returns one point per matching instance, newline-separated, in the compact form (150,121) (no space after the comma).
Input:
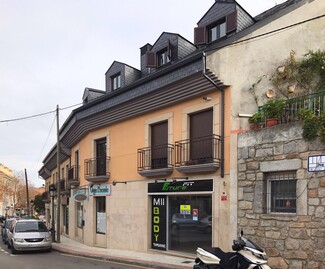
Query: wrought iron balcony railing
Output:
(159,157)
(73,175)
(62,185)
(314,102)
(202,150)
(97,167)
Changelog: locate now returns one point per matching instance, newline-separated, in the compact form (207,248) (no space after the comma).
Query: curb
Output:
(124,260)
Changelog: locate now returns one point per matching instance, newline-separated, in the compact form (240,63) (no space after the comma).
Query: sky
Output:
(50,51)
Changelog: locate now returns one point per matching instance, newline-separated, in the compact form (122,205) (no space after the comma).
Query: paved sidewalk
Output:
(147,259)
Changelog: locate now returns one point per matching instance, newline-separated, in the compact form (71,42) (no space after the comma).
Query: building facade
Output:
(7,191)
(152,161)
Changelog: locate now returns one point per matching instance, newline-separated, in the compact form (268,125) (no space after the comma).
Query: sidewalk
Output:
(148,259)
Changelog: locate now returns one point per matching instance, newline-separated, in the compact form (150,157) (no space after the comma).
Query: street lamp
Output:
(52,194)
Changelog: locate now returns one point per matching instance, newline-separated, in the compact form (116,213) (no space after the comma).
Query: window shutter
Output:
(151,59)
(231,22)
(169,50)
(199,35)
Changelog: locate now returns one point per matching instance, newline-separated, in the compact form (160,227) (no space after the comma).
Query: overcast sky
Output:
(51,50)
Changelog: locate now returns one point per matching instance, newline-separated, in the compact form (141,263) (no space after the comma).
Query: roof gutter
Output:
(222,157)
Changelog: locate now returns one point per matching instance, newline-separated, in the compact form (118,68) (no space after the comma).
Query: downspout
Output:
(222,157)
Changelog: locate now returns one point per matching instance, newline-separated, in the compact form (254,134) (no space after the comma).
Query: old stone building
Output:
(293,233)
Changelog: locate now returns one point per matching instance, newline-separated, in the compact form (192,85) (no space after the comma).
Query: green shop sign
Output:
(205,185)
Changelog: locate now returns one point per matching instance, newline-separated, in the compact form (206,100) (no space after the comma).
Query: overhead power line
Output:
(37,115)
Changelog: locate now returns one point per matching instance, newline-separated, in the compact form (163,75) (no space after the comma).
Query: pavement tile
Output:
(148,259)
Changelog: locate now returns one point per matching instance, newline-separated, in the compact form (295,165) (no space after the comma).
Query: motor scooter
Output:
(246,255)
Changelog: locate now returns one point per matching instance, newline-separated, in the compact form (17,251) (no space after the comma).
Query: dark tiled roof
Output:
(275,9)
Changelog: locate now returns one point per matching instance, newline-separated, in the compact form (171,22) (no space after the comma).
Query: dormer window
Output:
(159,58)
(221,28)
(217,31)
(163,57)
(116,81)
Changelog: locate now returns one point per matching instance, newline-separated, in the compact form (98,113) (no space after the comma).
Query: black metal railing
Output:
(96,167)
(202,150)
(315,103)
(73,173)
(62,185)
(158,157)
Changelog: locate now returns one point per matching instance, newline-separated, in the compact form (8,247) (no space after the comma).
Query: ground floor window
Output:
(189,222)
(181,222)
(101,215)
(281,192)
(79,215)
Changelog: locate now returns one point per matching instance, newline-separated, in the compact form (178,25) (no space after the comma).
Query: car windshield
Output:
(24,227)
(8,222)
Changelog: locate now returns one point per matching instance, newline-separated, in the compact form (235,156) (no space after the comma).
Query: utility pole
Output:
(27,193)
(58,175)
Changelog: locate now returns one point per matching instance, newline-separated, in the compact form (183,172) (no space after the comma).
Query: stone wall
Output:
(290,240)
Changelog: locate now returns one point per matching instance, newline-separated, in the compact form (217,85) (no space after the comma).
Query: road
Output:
(54,260)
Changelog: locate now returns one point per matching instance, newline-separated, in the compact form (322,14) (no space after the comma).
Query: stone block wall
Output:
(294,240)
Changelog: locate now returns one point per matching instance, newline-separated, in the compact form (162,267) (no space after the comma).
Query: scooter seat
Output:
(229,260)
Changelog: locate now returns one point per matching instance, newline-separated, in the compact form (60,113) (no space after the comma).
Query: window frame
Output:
(116,81)
(163,55)
(271,179)
(100,208)
(218,26)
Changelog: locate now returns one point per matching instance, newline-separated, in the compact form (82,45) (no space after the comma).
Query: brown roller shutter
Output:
(159,141)
(201,130)
(151,59)
(199,35)
(231,22)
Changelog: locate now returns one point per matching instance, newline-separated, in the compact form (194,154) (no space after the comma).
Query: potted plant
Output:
(272,110)
(255,120)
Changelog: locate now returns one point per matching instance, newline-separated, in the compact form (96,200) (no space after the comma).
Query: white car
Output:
(29,235)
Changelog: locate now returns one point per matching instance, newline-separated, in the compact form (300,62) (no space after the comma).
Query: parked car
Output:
(205,224)
(183,221)
(29,235)
(5,228)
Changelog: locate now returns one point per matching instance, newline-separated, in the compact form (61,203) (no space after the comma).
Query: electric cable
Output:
(37,115)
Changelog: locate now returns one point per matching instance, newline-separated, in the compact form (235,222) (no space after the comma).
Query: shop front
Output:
(181,214)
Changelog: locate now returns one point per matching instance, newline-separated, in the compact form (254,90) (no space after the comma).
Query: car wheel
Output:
(13,250)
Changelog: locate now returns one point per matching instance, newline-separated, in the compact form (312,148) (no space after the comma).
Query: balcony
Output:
(97,169)
(198,155)
(155,161)
(73,176)
(64,187)
(313,103)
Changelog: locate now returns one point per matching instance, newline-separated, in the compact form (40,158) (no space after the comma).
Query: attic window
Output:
(116,81)
(221,28)
(217,31)
(163,57)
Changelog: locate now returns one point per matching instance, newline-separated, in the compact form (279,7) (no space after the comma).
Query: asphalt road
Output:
(54,260)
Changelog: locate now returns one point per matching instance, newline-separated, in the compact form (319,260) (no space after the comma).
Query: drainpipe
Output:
(222,159)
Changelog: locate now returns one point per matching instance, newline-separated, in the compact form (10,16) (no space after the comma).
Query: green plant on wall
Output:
(311,70)
(312,125)
(307,74)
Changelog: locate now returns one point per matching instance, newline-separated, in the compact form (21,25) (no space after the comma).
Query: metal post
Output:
(27,193)
(58,224)
(52,220)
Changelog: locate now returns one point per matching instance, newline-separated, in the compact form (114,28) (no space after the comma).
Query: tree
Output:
(39,204)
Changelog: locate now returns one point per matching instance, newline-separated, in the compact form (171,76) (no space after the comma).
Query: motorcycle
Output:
(247,255)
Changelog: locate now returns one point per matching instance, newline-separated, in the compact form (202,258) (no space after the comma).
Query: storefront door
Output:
(181,221)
